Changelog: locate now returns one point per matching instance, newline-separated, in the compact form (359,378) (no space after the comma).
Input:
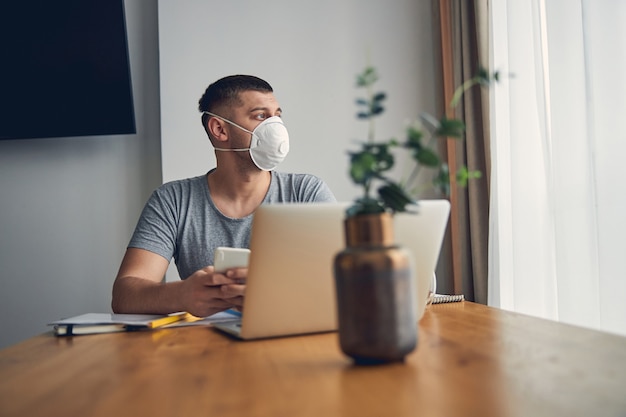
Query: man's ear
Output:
(217,129)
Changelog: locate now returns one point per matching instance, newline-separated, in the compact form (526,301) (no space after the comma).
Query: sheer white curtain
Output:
(558,194)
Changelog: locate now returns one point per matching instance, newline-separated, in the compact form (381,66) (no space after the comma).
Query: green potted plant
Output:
(372,164)
(373,276)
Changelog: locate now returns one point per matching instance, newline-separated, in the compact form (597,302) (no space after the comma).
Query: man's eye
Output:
(261,116)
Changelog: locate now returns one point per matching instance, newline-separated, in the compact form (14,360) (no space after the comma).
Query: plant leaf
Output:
(463,176)
(414,138)
(384,159)
(376,109)
(367,77)
(426,156)
(379,97)
(362,167)
(394,197)
(365,206)
(452,128)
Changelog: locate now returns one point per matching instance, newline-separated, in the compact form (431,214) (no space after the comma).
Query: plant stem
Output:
(370,133)
(458,93)
(418,167)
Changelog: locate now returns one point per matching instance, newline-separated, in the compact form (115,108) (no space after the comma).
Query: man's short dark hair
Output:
(225,92)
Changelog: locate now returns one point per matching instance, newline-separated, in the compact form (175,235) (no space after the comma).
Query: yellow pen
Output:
(167,320)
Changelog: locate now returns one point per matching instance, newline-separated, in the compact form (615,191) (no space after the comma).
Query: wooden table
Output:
(471,361)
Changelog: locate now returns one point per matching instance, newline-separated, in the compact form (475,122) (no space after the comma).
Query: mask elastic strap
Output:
(227,121)
(232,150)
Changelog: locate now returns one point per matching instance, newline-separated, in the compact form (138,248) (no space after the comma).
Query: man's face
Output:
(256,107)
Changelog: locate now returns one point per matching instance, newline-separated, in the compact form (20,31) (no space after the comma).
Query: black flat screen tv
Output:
(64,69)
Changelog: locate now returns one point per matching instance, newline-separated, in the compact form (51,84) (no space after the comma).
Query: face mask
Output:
(269,144)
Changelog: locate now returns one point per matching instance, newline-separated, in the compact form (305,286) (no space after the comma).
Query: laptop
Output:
(290,288)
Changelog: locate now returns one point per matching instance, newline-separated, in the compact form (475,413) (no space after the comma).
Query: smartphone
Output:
(226,258)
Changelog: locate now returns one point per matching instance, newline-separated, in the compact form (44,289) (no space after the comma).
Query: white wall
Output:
(310,52)
(68,205)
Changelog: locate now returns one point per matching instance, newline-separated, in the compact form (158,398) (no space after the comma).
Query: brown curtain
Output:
(463,39)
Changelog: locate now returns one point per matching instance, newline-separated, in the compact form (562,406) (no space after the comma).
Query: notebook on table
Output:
(290,287)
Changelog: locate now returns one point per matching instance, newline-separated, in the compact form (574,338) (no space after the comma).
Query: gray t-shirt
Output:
(181,221)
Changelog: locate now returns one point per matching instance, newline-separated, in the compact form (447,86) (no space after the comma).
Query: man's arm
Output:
(138,288)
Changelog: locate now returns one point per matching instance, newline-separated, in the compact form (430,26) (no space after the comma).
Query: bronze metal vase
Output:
(375,292)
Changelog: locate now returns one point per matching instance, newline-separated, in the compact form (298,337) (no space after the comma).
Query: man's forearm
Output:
(132,295)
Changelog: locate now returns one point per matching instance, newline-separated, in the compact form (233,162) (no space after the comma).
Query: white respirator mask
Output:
(269,144)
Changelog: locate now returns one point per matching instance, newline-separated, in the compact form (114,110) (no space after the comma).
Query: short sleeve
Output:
(156,228)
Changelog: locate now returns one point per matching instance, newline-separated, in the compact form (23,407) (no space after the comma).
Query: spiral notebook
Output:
(447,298)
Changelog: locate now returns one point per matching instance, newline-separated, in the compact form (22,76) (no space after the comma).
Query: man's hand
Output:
(206,292)
(139,288)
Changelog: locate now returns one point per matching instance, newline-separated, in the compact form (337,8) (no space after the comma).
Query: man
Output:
(187,219)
